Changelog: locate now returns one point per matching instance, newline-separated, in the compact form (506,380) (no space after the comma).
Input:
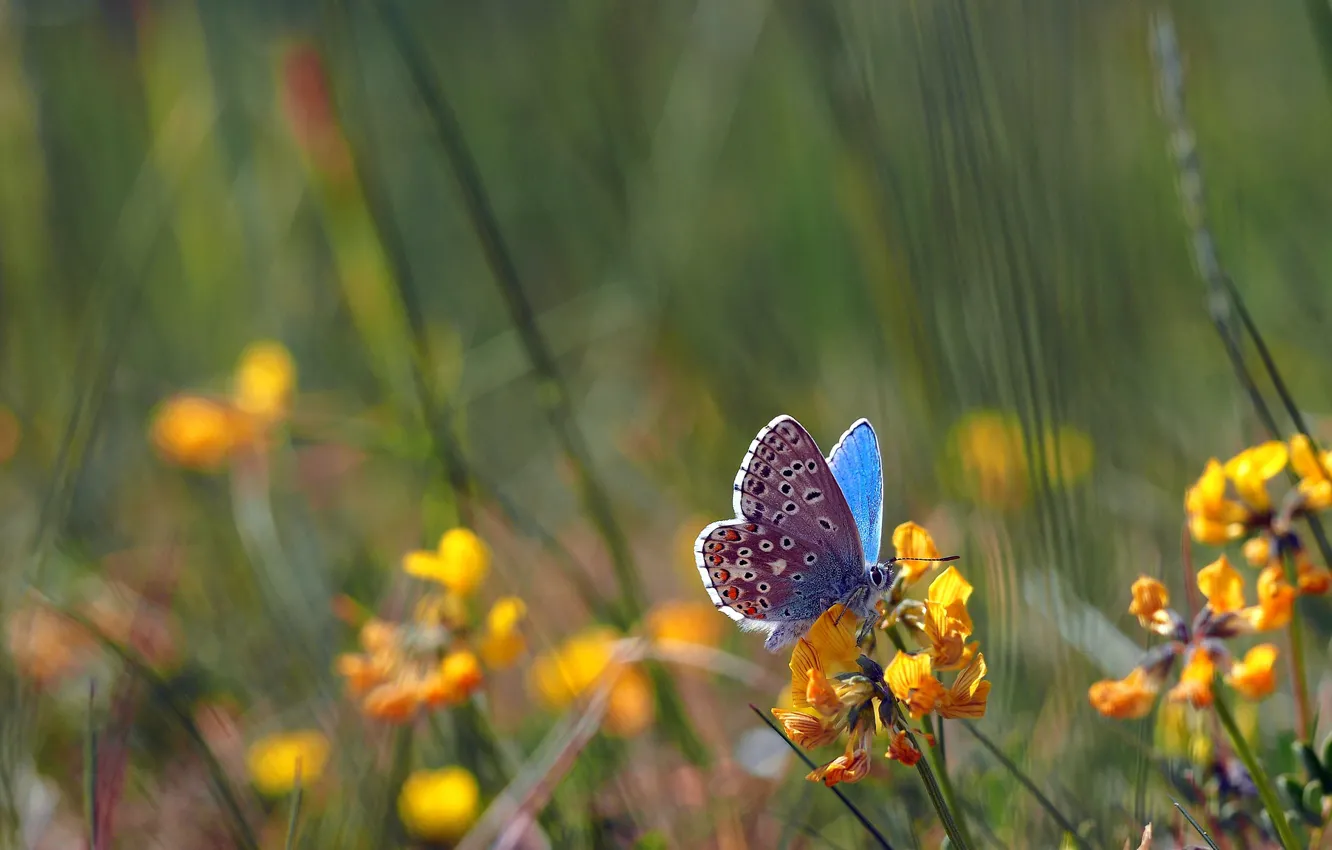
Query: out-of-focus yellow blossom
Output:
(992,454)
(264,381)
(439,805)
(203,433)
(1173,732)
(1276,601)
(10,434)
(504,642)
(560,676)
(685,622)
(197,433)
(910,679)
(1150,599)
(1222,585)
(1125,699)
(1311,579)
(1251,469)
(278,762)
(1258,550)
(1255,676)
(460,675)
(630,708)
(1195,683)
(45,645)
(1214,516)
(460,563)
(947,625)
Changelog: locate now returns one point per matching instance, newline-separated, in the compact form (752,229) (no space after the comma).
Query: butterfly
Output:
(806,533)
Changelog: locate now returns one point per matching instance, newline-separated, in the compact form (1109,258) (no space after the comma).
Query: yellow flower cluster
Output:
(439,805)
(1232,502)
(204,432)
(429,661)
(836,690)
(993,456)
(1200,643)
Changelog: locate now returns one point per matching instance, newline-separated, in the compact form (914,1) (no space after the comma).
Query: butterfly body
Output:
(806,533)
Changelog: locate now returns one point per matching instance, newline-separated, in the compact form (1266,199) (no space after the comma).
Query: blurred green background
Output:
(710,213)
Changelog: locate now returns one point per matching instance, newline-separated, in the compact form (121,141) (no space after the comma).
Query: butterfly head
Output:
(878,576)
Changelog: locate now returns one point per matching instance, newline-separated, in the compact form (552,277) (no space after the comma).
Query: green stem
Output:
(1298,682)
(402,753)
(1265,792)
(946,784)
(942,806)
(294,819)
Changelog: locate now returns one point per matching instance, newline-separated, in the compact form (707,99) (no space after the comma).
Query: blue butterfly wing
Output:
(856,465)
(793,548)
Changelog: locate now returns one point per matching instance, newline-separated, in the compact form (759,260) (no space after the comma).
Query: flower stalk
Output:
(1265,791)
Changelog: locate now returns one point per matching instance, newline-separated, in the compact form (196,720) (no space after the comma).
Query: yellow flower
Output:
(1276,601)
(1068,454)
(560,676)
(630,709)
(1251,469)
(1222,585)
(1125,699)
(947,625)
(264,381)
(1195,683)
(1150,599)
(818,713)
(913,541)
(1258,550)
(968,694)
(504,642)
(1312,579)
(1173,734)
(1254,677)
(1213,518)
(460,672)
(993,455)
(277,762)
(460,563)
(439,805)
(910,680)
(685,622)
(197,433)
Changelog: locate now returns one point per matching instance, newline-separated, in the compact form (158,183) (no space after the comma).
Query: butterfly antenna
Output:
(949,558)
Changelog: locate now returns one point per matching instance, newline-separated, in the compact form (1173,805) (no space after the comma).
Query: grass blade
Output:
(1188,817)
(846,801)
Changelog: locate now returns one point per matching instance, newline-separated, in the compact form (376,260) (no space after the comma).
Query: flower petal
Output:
(1254,677)
(1222,585)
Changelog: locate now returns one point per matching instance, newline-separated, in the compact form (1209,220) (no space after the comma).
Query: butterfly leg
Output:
(786,634)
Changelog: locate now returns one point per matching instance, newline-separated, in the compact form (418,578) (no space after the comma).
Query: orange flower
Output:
(818,713)
(913,541)
(1313,580)
(1125,699)
(854,763)
(1222,585)
(900,749)
(1195,683)
(197,433)
(630,709)
(1254,677)
(393,703)
(1276,601)
(1251,469)
(807,728)
(968,694)
(1150,599)
(910,680)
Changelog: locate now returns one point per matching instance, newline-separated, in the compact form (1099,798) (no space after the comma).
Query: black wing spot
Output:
(763,603)
(756,486)
(788,472)
(750,577)
(765,545)
(742,562)
(786,612)
(827,526)
(744,552)
(785,488)
(787,543)
(810,558)
(790,507)
(763,587)
(797,577)
(813,495)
